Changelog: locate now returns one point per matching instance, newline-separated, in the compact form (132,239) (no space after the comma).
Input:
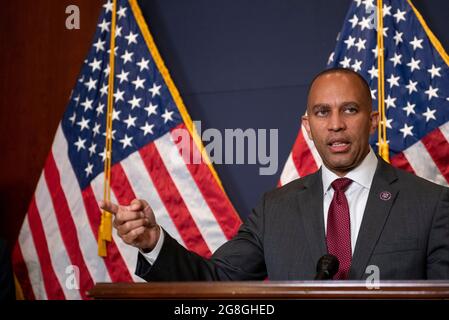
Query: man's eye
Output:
(321,113)
(351,110)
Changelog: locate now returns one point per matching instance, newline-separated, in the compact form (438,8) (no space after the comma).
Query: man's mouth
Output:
(338,146)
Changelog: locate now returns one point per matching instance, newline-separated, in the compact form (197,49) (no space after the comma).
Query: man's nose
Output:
(336,122)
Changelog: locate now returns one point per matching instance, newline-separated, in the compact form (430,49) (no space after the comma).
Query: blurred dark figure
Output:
(7,291)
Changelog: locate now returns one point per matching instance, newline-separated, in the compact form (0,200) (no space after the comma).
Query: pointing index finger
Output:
(109,206)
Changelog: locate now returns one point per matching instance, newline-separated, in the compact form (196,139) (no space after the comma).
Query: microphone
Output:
(327,267)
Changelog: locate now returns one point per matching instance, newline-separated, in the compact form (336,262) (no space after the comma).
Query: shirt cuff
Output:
(153,254)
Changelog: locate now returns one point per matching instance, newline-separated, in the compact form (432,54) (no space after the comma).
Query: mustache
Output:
(333,139)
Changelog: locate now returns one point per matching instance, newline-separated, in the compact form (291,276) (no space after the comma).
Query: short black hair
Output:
(347,71)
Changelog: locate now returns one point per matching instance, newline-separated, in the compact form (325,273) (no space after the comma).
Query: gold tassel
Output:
(19,291)
(384,151)
(107,226)
(101,242)
(102,252)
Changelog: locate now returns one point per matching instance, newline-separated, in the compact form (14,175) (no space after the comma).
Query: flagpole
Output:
(105,229)
(382,127)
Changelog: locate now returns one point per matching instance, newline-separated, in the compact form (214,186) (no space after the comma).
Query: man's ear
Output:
(306,124)
(374,117)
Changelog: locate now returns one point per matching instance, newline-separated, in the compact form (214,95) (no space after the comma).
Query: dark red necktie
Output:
(339,228)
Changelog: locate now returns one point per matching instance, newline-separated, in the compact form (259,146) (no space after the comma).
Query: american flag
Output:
(416,89)
(59,233)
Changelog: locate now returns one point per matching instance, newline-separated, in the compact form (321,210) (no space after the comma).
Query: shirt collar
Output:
(363,174)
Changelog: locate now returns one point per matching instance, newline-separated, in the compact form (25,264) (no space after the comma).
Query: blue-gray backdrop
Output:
(247,64)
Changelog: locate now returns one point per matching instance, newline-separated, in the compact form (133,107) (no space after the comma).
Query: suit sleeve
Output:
(438,246)
(241,258)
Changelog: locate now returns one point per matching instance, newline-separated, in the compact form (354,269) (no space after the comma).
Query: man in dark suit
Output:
(368,214)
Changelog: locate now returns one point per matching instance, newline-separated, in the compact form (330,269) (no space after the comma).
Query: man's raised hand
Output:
(135,224)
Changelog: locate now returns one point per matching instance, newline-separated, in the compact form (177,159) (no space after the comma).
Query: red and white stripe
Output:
(303,159)
(61,226)
(427,158)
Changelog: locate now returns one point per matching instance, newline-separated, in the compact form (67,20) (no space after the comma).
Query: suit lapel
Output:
(381,197)
(311,208)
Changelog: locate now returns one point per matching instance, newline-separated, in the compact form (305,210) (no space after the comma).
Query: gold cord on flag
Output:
(382,129)
(105,229)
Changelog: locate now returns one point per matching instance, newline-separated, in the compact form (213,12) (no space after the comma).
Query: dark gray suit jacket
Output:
(406,236)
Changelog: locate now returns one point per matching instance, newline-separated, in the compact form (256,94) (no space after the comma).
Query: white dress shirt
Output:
(153,254)
(357,195)
(357,192)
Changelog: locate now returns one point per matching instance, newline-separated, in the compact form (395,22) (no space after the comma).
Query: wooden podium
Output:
(272,290)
